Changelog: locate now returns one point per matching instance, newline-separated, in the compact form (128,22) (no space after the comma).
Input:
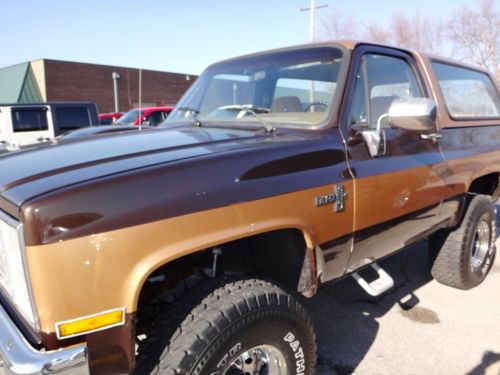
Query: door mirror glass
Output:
(417,114)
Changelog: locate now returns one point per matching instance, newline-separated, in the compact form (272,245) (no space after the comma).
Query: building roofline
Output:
(96,64)
(115,66)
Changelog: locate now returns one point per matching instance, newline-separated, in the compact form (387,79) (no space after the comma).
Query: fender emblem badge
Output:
(338,197)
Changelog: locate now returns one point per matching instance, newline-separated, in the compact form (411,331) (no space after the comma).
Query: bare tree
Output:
(420,32)
(475,34)
(339,25)
(377,34)
(471,33)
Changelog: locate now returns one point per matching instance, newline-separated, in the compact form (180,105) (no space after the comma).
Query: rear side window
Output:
(28,120)
(69,118)
(468,94)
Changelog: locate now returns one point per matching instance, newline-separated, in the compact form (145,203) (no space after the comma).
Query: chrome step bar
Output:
(382,284)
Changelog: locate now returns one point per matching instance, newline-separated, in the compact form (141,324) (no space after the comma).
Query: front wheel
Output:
(245,327)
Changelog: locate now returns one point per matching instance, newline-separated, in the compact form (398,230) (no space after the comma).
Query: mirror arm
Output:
(379,121)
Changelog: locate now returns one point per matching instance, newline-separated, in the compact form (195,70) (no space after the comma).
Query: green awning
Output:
(18,85)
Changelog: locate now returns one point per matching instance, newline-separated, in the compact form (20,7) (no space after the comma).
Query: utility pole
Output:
(312,17)
(312,20)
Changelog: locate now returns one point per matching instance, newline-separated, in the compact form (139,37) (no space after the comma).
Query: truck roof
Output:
(352,44)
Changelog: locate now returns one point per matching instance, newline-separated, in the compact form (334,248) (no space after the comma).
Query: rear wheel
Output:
(467,253)
(245,327)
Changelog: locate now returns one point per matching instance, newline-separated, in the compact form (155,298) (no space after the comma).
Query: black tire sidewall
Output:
(274,326)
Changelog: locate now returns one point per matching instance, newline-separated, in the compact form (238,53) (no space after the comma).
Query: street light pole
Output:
(116,77)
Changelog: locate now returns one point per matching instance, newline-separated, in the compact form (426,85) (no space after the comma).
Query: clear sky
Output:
(177,36)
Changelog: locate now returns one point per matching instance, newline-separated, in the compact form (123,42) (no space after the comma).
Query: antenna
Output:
(140,98)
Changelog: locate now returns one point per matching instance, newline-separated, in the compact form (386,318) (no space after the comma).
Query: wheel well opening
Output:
(487,184)
(277,256)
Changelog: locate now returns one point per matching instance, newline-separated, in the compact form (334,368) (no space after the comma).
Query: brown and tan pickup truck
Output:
(177,250)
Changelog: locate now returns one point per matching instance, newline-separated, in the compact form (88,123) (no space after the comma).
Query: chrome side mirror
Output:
(417,114)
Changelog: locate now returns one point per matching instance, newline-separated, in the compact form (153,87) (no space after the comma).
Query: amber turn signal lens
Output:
(92,323)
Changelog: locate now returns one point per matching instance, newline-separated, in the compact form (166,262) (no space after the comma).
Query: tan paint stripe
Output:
(100,272)
(391,195)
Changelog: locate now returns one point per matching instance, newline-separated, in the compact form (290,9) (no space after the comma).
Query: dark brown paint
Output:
(185,186)
(111,351)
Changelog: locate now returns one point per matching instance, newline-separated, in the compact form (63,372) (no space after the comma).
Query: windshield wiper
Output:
(192,113)
(254,111)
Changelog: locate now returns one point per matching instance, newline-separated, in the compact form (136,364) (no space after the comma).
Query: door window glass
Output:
(154,118)
(358,115)
(381,79)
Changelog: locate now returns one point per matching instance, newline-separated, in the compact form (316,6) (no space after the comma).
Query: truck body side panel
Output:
(108,269)
(470,153)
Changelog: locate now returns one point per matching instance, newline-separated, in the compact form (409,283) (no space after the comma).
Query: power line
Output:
(239,15)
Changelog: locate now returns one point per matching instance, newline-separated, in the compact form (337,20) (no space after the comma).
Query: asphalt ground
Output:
(419,327)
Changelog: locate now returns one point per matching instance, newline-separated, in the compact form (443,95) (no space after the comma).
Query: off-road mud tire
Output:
(228,322)
(453,250)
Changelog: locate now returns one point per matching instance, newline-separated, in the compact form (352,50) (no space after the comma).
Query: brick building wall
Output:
(70,81)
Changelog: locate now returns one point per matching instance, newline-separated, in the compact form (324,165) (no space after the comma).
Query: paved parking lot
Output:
(421,327)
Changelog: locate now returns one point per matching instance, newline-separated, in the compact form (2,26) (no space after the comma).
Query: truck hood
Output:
(33,172)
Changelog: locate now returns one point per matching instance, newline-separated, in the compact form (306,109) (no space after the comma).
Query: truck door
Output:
(398,193)
(29,125)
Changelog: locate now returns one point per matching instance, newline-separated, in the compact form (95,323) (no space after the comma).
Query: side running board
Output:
(382,284)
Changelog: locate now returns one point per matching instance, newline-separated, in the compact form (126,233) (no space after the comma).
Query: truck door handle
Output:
(432,136)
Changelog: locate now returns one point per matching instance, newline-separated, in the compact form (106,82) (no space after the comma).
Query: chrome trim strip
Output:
(9,220)
(20,234)
(122,322)
(18,357)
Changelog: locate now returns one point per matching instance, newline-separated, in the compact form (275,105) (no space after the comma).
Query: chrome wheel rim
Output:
(259,360)
(480,245)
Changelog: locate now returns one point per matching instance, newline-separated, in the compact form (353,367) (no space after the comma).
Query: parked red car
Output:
(109,118)
(151,116)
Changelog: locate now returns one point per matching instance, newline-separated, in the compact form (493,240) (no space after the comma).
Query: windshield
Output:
(130,117)
(291,88)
